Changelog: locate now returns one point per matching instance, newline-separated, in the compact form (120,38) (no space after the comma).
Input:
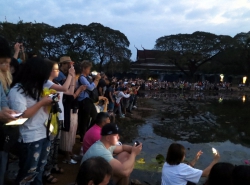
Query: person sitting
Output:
(90,172)
(94,133)
(241,175)
(174,171)
(123,163)
(221,174)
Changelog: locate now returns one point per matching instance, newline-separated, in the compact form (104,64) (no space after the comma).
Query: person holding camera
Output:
(123,163)
(25,97)
(87,99)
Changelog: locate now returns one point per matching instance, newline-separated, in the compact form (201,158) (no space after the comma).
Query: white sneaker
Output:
(134,107)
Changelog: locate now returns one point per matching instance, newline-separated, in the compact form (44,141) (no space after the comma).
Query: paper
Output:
(17,122)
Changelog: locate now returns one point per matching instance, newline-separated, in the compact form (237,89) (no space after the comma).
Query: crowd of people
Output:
(60,100)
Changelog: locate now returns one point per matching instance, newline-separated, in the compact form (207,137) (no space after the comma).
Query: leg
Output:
(93,114)
(45,149)
(3,165)
(81,120)
(122,157)
(31,155)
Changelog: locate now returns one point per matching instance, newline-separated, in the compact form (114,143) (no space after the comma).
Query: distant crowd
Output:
(45,104)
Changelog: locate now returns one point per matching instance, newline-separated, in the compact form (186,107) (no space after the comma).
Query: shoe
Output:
(122,116)
(134,107)
(71,161)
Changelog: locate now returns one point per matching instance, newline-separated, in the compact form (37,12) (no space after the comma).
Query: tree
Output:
(190,51)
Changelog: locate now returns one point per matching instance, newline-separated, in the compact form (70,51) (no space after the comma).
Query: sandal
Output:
(50,179)
(58,170)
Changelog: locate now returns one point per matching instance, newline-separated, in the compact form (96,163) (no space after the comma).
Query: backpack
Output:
(93,95)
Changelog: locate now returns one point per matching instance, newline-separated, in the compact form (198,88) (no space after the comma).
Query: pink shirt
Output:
(91,136)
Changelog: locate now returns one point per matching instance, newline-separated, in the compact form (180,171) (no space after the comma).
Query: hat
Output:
(110,129)
(65,59)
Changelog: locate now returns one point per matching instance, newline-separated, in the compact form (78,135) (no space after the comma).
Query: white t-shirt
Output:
(179,174)
(34,128)
(60,103)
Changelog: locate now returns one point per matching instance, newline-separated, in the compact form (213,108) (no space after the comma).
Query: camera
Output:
(55,106)
(93,73)
(137,143)
(54,97)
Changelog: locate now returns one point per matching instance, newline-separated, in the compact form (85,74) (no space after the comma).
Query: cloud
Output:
(142,21)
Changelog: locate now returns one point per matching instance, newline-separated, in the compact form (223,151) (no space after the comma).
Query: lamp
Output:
(244,79)
(221,77)
(243,98)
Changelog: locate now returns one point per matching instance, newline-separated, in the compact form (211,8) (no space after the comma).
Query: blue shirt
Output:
(61,78)
(3,98)
(90,86)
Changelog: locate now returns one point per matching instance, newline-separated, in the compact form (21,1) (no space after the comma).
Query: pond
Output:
(199,121)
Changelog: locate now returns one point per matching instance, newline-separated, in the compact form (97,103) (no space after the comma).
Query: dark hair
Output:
(95,169)
(85,64)
(175,154)
(15,64)
(32,76)
(50,64)
(221,174)
(241,175)
(77,67)
(101,117)
(5,51)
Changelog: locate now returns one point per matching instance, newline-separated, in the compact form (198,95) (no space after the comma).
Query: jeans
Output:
(86,116)
(111,106)
(118,107)
(32,159)
(3,165)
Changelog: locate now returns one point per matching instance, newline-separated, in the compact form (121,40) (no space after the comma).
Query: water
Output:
(199,122)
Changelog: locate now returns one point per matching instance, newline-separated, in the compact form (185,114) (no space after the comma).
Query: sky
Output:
(142,21)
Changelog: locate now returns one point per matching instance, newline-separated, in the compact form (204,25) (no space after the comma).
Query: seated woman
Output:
(174,171)
(221,174)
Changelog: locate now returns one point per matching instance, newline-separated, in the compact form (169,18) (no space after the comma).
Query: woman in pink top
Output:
(94,133)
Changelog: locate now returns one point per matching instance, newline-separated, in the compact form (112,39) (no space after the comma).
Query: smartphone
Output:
(214,151)
(17,115)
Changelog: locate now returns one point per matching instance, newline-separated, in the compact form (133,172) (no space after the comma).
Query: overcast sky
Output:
(142,21)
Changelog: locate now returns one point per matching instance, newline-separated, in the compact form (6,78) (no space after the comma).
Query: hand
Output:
(6,115)
(198,155)
(98,76)
(83,87)
(217,157)
(137,149)
(46,101)
(72,71)
(17,47)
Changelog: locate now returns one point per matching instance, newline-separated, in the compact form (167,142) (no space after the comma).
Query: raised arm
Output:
(207,170)
(65,87)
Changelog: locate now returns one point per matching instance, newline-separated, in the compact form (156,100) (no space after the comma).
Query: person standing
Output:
(64,66)
(5,112)
(25,97)
(87,110)
(67,87)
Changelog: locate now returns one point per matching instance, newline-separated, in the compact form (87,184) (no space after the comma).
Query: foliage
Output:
(94,42)
(207,52)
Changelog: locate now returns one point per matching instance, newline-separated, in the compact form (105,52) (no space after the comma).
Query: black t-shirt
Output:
(101,84)
(110,89)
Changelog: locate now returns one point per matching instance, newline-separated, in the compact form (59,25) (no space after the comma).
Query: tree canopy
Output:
(190,51)
(94,42)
